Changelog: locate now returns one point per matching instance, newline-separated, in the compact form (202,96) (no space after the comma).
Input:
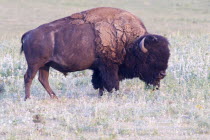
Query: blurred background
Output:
(159,16)
(179,110)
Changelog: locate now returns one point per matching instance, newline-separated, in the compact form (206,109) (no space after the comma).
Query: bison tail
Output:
(21,50)
(22,41)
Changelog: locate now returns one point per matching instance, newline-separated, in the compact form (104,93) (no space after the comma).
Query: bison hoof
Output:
(100,93)
(27,98)
(53,97)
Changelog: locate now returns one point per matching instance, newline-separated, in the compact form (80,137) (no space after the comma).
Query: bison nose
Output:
(162,74)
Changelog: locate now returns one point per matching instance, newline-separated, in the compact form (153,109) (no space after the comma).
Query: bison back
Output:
(115,30)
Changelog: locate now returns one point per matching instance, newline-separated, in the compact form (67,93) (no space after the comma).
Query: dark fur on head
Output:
(150,66)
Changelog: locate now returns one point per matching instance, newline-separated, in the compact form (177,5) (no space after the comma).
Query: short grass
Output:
(179,110)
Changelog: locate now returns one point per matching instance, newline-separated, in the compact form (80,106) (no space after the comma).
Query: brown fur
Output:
(101,39)
(114,29)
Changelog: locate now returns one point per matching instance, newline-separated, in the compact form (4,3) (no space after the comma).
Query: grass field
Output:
(179,110)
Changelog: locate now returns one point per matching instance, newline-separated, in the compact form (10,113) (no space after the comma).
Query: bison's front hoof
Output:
(26,98)
(100,93)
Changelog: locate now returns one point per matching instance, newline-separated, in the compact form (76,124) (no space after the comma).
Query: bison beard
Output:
(112,42)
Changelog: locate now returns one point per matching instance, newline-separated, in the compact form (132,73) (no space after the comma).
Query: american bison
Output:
(112,42)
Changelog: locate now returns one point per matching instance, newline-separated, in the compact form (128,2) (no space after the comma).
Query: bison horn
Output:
(141,45)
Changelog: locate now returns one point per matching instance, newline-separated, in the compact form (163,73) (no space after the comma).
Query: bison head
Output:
(152,54)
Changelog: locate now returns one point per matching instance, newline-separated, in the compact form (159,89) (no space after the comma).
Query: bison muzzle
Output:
(112,42)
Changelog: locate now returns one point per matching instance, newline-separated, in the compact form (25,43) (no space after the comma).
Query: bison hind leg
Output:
(28,78)
(43,78)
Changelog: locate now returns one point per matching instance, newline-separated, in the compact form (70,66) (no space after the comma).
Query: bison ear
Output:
(142,47)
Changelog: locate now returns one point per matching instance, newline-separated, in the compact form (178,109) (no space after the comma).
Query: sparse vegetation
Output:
(179,110)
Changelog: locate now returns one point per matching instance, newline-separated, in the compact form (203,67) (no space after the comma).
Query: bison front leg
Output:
(97,82)
(43,78)
(109,76)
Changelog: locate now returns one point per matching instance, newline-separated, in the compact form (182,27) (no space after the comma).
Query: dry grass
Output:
(180,110)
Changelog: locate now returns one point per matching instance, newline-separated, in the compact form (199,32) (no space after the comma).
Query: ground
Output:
(179,110)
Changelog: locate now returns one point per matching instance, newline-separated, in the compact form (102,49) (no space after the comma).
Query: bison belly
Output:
(74,48)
